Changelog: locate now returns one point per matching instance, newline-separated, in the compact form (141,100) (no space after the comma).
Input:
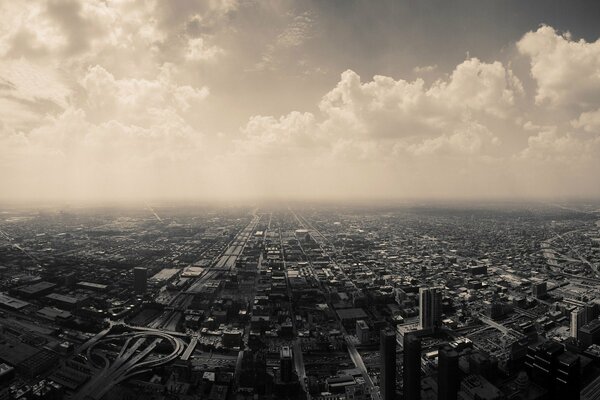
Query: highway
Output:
(500,327)
(140,343)
(190,348)
(130,358)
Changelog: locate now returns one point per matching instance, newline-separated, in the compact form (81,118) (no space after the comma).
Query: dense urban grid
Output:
(431,301)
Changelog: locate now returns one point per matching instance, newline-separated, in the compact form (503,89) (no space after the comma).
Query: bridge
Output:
(132,359)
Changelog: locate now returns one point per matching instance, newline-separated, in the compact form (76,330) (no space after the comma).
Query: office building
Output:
(140,280)
(430,308)
(553,368)
(286,364)
(539,290)
(387,347)
(363,333)
(411,370)
(578,319)
(589,334)
(448,377)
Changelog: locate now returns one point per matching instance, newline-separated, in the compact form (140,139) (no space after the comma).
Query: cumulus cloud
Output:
(111,98)
(138,101)
(392,108)
(385,117)
(567,72)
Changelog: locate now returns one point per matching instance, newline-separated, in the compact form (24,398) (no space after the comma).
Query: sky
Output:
(341,99)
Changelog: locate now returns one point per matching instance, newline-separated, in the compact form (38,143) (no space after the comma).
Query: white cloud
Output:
(135,101)
(105,98)
(198,50)
(588,121)
(385,118)
(392,108)
(425,68)
(567,72)
(469,139)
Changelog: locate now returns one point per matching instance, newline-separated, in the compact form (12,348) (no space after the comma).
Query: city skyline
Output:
(222,100)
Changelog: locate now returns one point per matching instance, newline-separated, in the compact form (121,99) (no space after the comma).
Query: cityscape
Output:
(326,302)
(300,200)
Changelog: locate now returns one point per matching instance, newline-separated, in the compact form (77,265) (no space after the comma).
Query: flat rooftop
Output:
(36,288)
(165,274)
(62,298)
(351,313)
(11,302)
(92,285)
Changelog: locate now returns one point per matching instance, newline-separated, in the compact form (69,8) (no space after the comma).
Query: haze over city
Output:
(139,100)
(300,200)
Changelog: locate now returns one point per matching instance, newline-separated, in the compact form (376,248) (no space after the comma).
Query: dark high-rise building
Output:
(286,364)
(482,364)
(539,290)
(591,312)
(430,307)
(448,377)
(411,370)
(140,278)
(578,319)
(566,383)
(589,334)
(551,367)
(387,347)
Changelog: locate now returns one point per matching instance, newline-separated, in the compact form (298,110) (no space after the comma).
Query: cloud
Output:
(111,98)
(198,50)
(297,32)
(29,90)
(136,101)
(567,72)
(424,68)
(469,139)
(588,121)
(392,108)
(386,118)
(298,28)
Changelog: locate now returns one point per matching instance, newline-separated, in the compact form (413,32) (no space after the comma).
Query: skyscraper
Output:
(553,368)
(430,307)
(578,319)
(286,364)
(140,277)
(387,347)
(448,381)
(411,371)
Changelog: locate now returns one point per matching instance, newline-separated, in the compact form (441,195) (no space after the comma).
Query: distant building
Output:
(478,270)
(11,303)
(140,280)
(430,307)
(7,373)
(539,290)
(35,290)
(387,348)
(232,338)
(65,302)
(411,370)
(97,287)
(363,333)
